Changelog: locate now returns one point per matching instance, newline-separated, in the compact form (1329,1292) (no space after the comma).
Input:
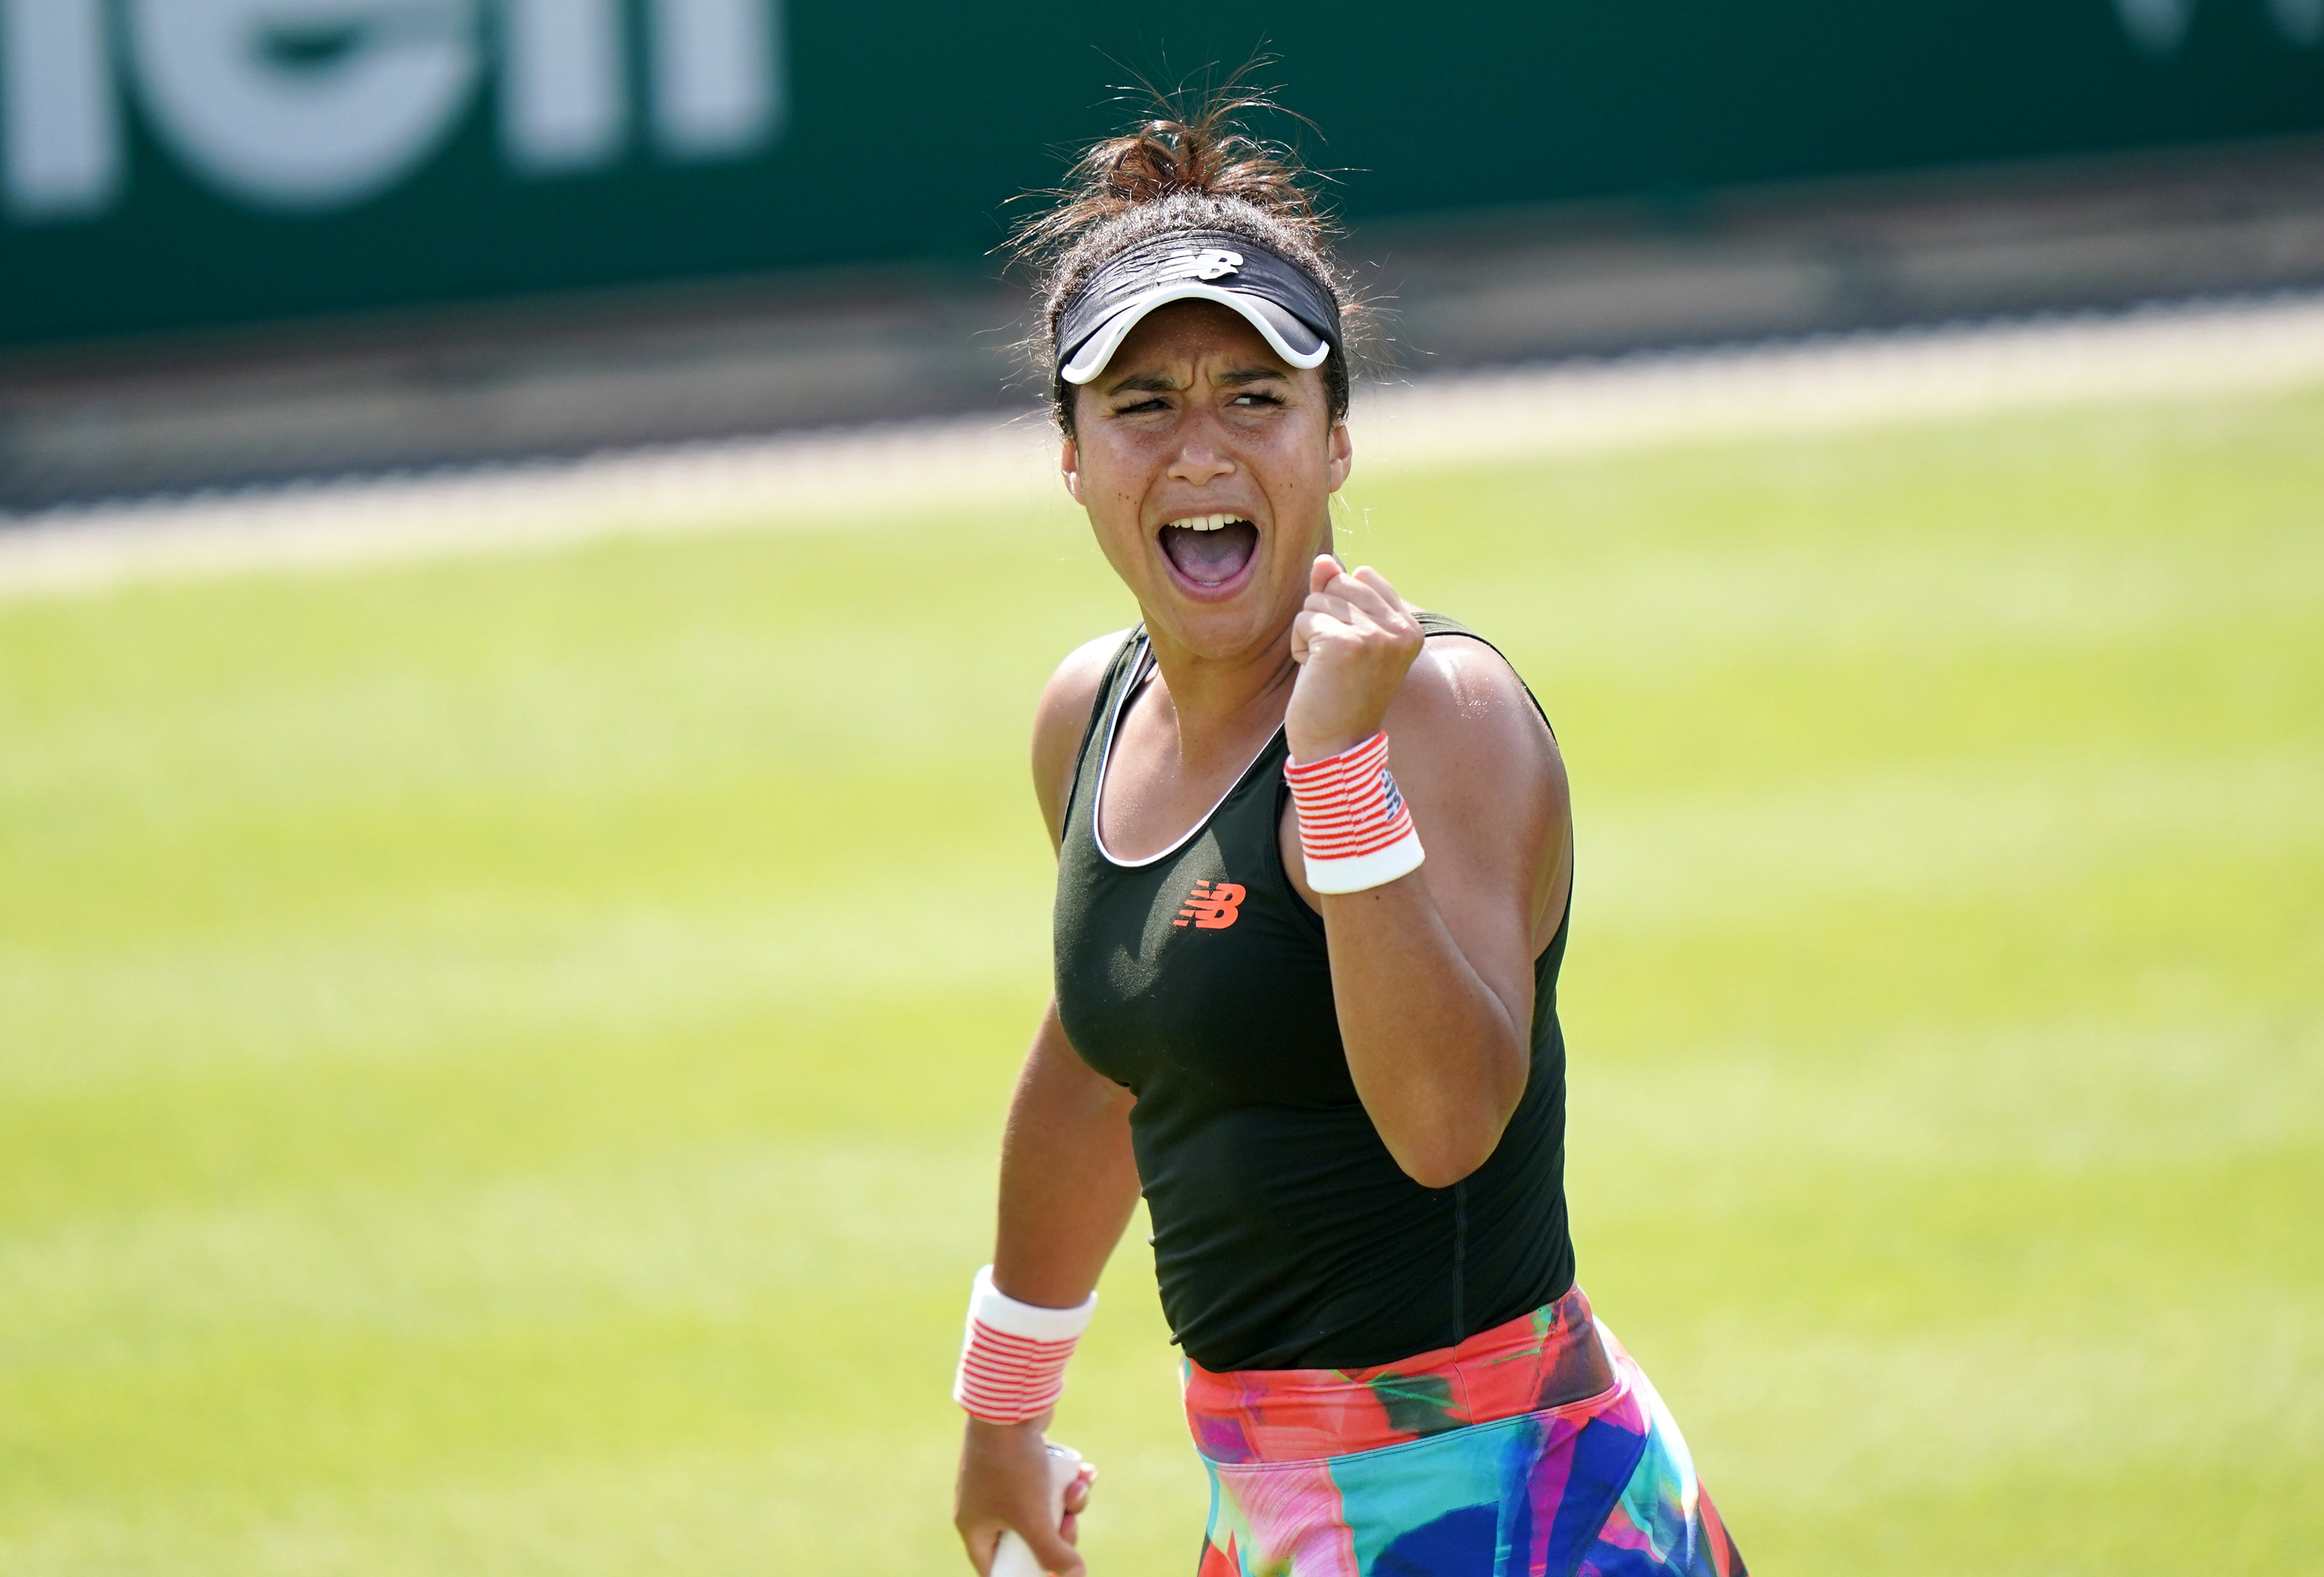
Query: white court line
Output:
(1801,386)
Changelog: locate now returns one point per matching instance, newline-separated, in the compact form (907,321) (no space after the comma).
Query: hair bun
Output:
(1207,156)
(1205,153)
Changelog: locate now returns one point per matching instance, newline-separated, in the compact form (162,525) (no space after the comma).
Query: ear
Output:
(1069,466)
(1339,449)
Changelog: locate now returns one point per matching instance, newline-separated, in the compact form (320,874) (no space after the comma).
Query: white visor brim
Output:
(1285,336)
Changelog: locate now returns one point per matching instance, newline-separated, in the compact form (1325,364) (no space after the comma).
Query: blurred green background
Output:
(499,1069)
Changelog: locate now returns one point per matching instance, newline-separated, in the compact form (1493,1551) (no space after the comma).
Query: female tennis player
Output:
(1305,1005)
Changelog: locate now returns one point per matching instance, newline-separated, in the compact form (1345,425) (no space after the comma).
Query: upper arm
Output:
(1060,721)
(1486,787)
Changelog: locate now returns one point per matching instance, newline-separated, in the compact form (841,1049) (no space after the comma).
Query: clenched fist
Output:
(1353,639)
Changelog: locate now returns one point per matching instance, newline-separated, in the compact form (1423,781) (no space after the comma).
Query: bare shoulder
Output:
(1482,773)
(1063,713)
(1464,711)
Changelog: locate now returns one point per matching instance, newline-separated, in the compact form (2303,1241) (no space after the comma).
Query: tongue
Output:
(1208,558)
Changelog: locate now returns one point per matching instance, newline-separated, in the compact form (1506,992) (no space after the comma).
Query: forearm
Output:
(1068,1186)
(1438,1057)
(1068,1181)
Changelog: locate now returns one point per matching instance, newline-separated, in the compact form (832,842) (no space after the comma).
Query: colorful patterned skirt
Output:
(1474,1461)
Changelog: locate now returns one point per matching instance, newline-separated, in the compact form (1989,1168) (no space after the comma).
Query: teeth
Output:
(1205,522)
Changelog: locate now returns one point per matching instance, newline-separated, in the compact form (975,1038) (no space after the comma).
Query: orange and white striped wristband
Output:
(1354,826)
(1012,1359)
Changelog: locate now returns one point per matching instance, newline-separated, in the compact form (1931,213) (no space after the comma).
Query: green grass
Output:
(499,1067)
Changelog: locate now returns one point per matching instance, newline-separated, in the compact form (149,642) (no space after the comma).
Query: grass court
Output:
(500,1060)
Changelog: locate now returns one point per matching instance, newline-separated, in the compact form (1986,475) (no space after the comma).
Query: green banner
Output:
(172,164)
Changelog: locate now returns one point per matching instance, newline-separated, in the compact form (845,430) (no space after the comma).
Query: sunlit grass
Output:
(499,1060)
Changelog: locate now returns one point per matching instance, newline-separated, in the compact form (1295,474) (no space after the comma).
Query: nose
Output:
(1201,458)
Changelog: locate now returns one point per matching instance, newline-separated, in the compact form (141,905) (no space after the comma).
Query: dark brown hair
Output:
(1181,169)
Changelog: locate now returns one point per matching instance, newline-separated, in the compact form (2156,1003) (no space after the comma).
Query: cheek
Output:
(1100,451)
(1114,486)
(1114,493)
(1296,470)
(1121,467)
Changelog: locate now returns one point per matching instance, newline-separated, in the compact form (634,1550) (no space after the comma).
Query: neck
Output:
(1216,703)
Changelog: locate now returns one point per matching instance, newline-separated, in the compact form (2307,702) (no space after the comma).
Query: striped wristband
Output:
(1012,1359)
(1354,826)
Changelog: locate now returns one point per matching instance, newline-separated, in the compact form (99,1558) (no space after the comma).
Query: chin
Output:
(1225,627)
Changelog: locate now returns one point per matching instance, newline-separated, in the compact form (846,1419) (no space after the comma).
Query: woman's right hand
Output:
(1004,1483)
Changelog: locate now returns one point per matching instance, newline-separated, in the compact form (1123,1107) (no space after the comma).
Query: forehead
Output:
(1180,333)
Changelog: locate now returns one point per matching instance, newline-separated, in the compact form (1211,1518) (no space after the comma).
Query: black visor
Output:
(1290,308)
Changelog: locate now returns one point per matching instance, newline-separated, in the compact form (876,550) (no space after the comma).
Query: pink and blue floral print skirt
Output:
(1536,1449)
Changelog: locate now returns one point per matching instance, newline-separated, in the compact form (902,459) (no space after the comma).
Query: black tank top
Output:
(1285,1234)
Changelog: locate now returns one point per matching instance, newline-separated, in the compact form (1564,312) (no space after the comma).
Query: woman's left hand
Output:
(1354,639)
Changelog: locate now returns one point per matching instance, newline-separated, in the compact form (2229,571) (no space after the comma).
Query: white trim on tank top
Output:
(1137,676)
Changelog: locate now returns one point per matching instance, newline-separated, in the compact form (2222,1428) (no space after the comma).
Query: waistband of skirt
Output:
(1543,1359)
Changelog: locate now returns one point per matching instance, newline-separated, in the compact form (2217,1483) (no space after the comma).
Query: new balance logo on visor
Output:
(1211,905)
(1212,263)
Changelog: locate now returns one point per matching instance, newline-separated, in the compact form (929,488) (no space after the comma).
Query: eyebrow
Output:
(1143,383)
(1159,383)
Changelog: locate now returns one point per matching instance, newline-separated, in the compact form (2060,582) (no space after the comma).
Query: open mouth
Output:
(1210,550)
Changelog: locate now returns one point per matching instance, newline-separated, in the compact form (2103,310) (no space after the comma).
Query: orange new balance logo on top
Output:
(1212,907)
